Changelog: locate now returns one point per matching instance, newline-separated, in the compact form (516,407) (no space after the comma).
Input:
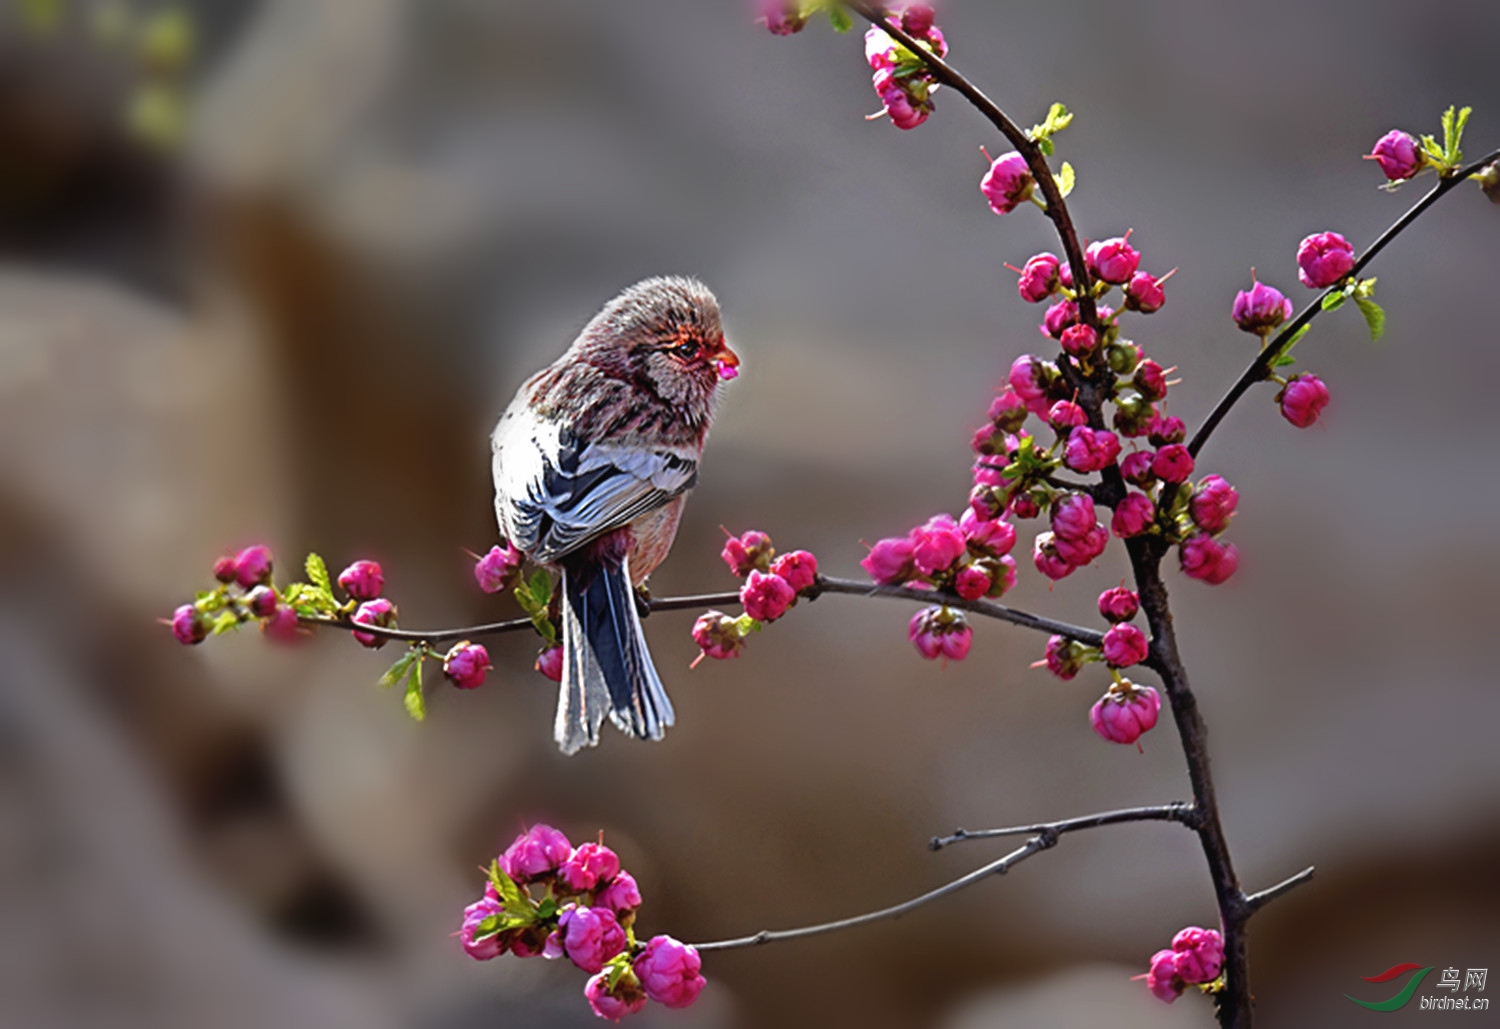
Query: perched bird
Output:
(593,461)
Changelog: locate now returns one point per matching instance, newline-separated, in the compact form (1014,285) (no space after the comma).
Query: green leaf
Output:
(1297,336)
(1374,316)
(317,574)
(416,705)
(1334,301)
(1365,287)
(1283,361)
(1454,122)
(516,901)
(1046,146)
(1066,179)
(395,673)
(839,18)
(226,621)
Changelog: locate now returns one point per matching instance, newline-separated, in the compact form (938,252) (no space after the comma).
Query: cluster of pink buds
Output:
(1196,958)
(772,585)
(901,80)
(586,912)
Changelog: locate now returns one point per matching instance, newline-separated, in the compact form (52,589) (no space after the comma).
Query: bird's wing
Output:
(555,493)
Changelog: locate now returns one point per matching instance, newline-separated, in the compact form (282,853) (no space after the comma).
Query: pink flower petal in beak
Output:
(727,371)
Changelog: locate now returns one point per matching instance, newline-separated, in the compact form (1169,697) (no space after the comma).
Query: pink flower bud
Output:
(1144,293)
(261,601)
(937,544)
(1213,504)
(880,49)
(971,583)
(670,972)
(1133,414)
(620,895)
(1489,181)
(549,662)
(1025,506)
(1028,377)
(748,551)
(917,19)
(1079,340)
(1008,411)
(1398,155)
(1134,515)
(590,936)
(1122,715)
(783,18)
(989,439)
(282,626)
(1065,415)
(252,566)
(798,568)
(1200,954)
(1125,645)
(1172,463)
(1001,571)
(1088,450)
(1119,604)
(536,854)
(625,998)
(1205,558)
(890,561)
(363,580)
(475,914)
(1060,317)
(1008,183)
(1039,278)
(1162,978)
(1303,399)
(987,537)
(1136,468)
(1080,552)
(466,665)
(905,109)
(1166,431)
(766,597)
(589,867)
(225,569)
(718,635)
(1073,516)
(1113,260)
(1323,259)
(1150,380)
(1065,657)
(1048,560)
(1260,310)
(497,570)
(940,632)
(379,612)
(189,626)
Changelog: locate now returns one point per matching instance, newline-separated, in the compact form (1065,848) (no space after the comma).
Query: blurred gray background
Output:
(299,325)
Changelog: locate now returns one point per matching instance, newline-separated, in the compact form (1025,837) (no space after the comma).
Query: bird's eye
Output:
(687,351)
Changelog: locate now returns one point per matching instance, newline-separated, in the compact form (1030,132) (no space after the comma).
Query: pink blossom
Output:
(1088,450)
(1398,155)
(889,562)
(475,914)
(535,854)
(1205,558)
(225,570)
(718,635)
(1261,309)
(1080,552)
(549,662)
(1079,340)
(906,110)
(283,626)
(1059,318)
(1303,399)
(1119,604)
(1073,516)
(1144,293)
(1065,657)
(189,626)
(1151,380)
(1323,259)
(466,665)
(1200,954)
(1008,183)
(1008,411)
(379,612)
(989,439)
(590,936)
(1025,506)
(363,580)
(1134,515)
(1122,716)
(1125,645)
(670,972)
(1039,278)
(497,569)
(252,566)
(626,998)
(1172,463)
(621,895)
(1001,572)
(1133,414)
(261,601)
(971,583)
(1136,467)
(1028,377)
(917,20)
(782,17)
(1048,560)
(1213,504)
(587,867)
(940,632)
(766,597)
(1162,978)
(798,568)
(880,49)
(1166,431)
(937,544)
(992,537)
(1113,260)
(1065,415)
(748,551)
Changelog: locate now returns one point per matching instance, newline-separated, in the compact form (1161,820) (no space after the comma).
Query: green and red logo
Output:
(1401,999)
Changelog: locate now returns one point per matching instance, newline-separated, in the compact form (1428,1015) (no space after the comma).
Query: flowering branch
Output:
(1260,368)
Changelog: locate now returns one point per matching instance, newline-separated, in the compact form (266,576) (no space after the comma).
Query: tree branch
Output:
(1178,811)
(1256,901)
(1261,366)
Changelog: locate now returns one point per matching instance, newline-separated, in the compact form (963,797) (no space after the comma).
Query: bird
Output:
(593,460)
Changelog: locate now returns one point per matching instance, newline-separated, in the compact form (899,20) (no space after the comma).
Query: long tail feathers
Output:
(607,669)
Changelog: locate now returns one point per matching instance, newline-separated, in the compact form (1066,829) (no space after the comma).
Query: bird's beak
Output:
(728,363)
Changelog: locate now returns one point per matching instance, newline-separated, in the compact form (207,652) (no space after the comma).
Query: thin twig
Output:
(1260,367)
(1256,901)
(1178,811)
